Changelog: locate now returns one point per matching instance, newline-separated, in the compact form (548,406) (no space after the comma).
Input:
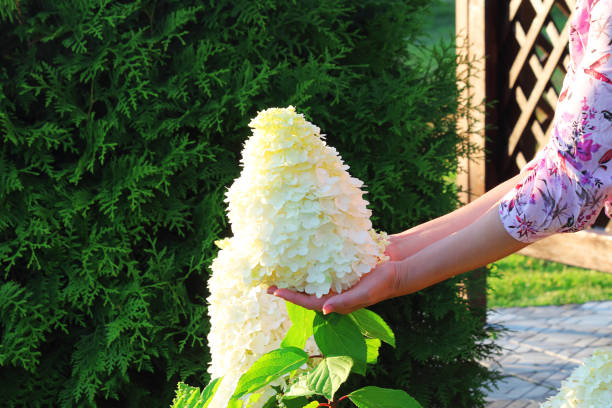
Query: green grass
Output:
(522,281)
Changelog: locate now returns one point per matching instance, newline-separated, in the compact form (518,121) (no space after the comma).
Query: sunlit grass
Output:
(522,281)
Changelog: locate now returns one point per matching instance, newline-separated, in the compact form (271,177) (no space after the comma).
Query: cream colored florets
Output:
(589,386)
(297,211)
(246,323)
(299,221)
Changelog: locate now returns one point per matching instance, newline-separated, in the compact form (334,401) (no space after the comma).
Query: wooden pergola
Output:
(518,51)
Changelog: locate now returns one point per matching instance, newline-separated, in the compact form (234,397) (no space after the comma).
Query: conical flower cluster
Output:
(299,221)
(245,321)
(589,386)
(296,211)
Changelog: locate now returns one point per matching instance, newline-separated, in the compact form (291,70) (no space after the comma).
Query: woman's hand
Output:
(377,285)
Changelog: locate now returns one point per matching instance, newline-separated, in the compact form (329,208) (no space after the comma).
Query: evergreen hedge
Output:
(121,124)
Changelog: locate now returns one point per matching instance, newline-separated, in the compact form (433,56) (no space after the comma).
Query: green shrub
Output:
(121,125)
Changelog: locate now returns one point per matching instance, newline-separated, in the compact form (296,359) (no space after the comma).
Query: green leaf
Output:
(269,367)
(300,388)
(324,379)
(301,328)
(295,402)
(209,391)
(190,397)
(186,396)
(372,346)
(234,403)
(329,375)
(338,335)
(254,400)
(375,397)
(372,325)
(271,403)
(313,404)
(360,366)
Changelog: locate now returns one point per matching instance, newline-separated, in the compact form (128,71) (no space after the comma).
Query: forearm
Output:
(415,239)
(475,245)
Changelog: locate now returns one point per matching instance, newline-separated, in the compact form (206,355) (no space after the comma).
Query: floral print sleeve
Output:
(566,185)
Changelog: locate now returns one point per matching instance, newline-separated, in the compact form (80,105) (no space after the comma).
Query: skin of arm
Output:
(411,241)
(478,243)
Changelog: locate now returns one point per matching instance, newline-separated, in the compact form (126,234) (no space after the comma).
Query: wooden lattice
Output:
(536,50)
(526,47)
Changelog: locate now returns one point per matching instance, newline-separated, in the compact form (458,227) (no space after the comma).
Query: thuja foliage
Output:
(121,124)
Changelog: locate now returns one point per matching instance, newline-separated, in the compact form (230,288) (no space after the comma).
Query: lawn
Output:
(522,281)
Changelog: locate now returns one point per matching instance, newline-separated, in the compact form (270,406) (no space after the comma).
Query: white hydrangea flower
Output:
(589,386)
(246,323)
(300,222)
(296,211)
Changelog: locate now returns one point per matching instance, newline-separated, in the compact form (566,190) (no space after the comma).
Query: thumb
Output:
(328,307)
(345,303)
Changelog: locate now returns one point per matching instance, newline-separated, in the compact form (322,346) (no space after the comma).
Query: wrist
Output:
(399,281)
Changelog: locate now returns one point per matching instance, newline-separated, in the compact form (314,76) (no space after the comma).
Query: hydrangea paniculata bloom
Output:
(296,211)
(246,323)
(589,386)
(299,221)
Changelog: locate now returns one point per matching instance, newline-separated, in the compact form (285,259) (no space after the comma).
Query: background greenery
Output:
(440,22)
(522,281)
(121,125)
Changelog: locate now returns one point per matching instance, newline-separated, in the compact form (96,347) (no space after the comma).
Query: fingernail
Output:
(327,310)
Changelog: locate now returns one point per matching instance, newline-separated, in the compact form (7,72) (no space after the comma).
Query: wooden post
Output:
(470,29)
(470,32)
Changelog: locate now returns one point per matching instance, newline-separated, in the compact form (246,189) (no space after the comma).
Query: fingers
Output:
(346,302)
(394,249)
(379,284)
(301,299)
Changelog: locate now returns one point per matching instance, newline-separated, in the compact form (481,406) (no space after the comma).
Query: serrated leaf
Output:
(329,375)
(186,396)
(338,335)
(191,397)
(301,327)
(372,325)
(324,379)
(375,397)
(269,367)
(300,388)
(372,346)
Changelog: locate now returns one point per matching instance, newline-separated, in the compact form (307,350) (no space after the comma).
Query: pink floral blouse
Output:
(569,181)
